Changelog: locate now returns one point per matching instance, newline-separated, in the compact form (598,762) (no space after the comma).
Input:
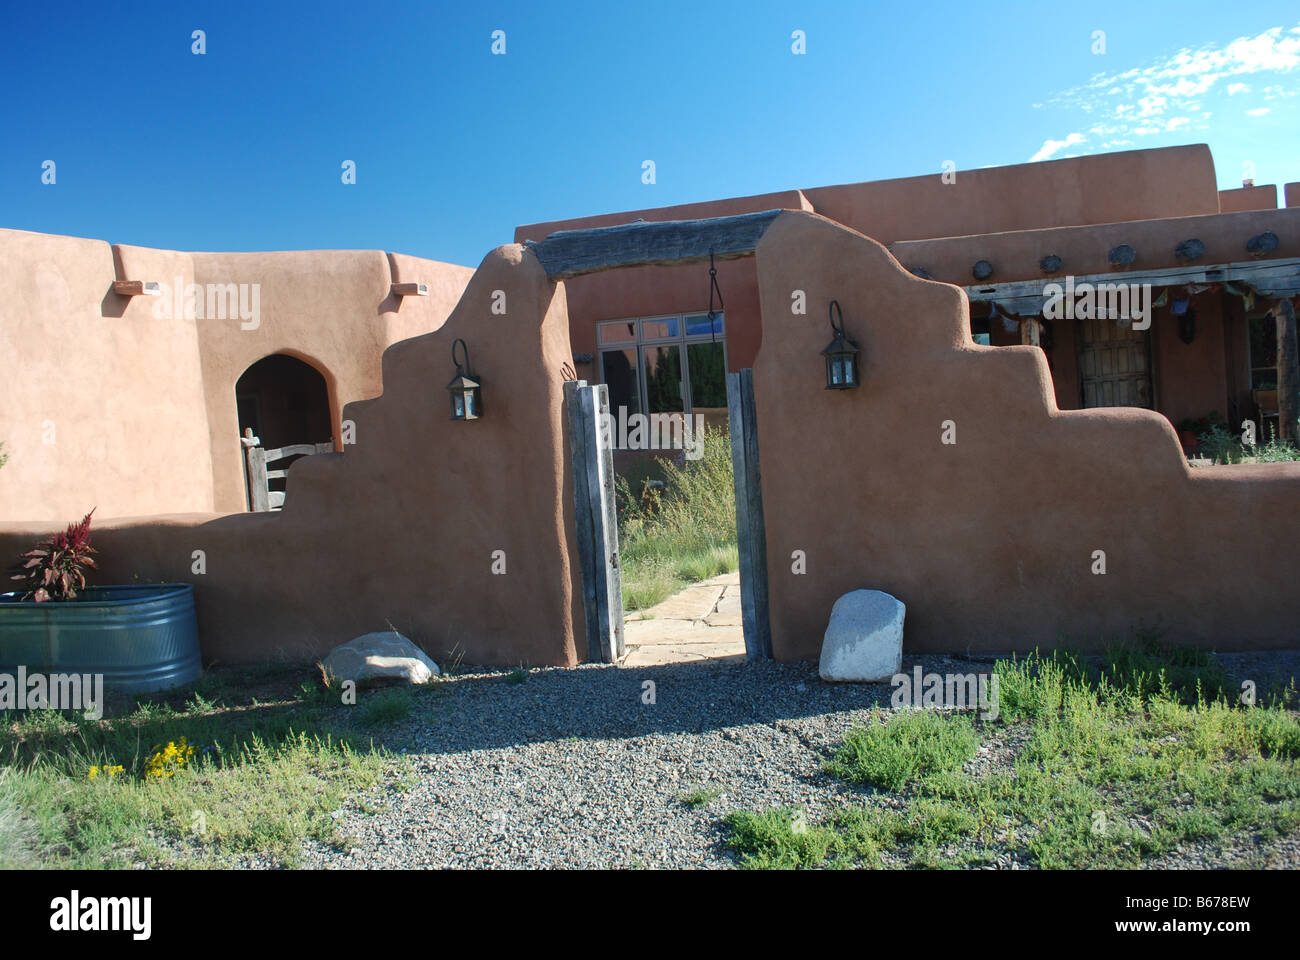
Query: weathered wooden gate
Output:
(591,460)
(750,534)
(573,253)
(261,496)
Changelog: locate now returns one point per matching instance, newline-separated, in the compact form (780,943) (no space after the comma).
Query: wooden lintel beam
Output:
(572,253)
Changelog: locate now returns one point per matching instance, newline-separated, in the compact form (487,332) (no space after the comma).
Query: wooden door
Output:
(1114,365)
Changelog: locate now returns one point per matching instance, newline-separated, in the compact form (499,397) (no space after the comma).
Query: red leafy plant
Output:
(55,569)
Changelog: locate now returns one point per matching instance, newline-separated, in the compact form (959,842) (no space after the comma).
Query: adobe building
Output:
(128,374)
(1152,218)
(171,374)
(128,377)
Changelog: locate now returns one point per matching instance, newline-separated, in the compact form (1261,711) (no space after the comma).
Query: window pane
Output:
(618,369)
(699,324)
(660,329)
(708,373)
(663,379)
(621,332)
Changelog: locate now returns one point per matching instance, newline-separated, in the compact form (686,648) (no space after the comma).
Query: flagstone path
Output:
(701,622)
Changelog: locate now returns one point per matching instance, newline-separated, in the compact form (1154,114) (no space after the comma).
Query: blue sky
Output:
(241,148)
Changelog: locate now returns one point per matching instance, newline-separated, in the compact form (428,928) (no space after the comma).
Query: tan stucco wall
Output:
(1190,379)
(989,541)
(120,390)
(1133,185)
(144,408)
(332,308)
(1248,198)
(401,526)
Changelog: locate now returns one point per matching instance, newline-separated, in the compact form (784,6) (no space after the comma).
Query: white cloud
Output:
(1258,111)
(1136,101)
(1051,147)
(1152,106)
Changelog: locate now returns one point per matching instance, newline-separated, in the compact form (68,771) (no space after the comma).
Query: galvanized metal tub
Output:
(141,637)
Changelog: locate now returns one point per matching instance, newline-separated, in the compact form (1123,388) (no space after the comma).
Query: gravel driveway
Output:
(569,768)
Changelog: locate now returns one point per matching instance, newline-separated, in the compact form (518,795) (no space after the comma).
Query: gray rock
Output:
(864,639)
(386,655)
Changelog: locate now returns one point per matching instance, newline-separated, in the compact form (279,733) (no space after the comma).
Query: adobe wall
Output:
(143,408)
(1102,188)
(1248,198)
(401,527)
(1190,379)
(989,541)
(101,403)
(331,308)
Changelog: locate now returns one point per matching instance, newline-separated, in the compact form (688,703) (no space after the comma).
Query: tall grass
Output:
(679,529)
(1111,763)
(77,793)
(14,841)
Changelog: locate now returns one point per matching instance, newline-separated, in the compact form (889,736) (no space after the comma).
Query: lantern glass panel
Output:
(458,404)
(469,403)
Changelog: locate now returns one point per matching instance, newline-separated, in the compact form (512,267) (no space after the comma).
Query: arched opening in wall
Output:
(283,402)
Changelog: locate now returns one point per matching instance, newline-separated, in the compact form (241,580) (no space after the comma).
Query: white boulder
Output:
(864,639)
(386,655)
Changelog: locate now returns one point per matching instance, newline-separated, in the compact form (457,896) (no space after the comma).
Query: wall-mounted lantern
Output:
(841,354)
(465,401)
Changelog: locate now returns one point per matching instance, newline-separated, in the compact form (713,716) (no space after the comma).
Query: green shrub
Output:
(910,746)
(388,706)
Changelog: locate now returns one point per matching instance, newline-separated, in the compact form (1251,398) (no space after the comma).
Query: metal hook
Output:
(714,288)
(463,367)
(835,309)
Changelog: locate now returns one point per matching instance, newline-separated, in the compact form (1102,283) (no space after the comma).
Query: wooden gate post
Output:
(595,518)
(750,534)
(1288,372)
(257,489)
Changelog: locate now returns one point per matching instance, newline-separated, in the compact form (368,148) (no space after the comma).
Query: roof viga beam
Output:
(572,253)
